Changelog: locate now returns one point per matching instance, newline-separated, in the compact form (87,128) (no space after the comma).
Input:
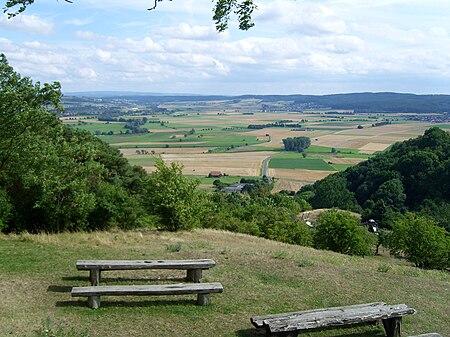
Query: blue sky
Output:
(304,47)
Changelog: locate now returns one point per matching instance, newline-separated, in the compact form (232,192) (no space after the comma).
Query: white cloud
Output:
(190,32)
(29,24)
(86,35)
(79,22)
(88,73)
(302,17)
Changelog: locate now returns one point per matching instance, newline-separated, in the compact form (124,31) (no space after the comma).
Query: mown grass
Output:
(259,277)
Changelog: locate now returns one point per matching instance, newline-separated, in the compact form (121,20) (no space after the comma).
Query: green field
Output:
(300,163)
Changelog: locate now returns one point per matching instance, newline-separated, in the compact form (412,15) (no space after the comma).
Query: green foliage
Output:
(421,241)
(55,178)
(298,144)
(333,192)
(272,216)
(5,209)
(341,232)
(173,197)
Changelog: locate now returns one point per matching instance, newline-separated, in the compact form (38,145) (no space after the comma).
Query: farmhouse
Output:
(215,174)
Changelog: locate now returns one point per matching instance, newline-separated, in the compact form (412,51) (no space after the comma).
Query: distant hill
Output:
(381,102)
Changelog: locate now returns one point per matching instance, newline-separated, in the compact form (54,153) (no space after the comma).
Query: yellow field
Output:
(233,164)
(308,176)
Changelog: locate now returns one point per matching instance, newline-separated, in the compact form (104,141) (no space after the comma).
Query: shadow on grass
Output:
(250,333)
(75,278)
(331,332)
(131,304)
(59,289)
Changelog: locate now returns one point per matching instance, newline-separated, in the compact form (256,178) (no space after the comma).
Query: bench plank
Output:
(428,335)
(144,264)
(203,291)
(160,289)
(344,316)
(194,268)
(258,321)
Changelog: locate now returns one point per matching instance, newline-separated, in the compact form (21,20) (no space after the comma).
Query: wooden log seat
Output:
(203,291)
(291,324)
(194,268)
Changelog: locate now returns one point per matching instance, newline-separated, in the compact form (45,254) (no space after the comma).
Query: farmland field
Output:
(300,163)
(207,136)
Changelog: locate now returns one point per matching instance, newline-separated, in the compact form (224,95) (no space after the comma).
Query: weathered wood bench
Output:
(203,291)
(291,324)
(194,267)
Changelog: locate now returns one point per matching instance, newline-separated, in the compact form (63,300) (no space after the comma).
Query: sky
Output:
(296,47)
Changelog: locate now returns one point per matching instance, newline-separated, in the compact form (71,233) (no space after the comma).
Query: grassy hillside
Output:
(259,277)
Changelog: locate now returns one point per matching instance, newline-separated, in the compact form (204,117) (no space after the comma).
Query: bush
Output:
(293,232)
(421,241)
(341,232)
(173,197)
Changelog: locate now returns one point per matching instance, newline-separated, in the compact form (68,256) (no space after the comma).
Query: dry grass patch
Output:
(287,185)
(299,175)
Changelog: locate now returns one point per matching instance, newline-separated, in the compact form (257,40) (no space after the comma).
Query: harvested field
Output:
(288,185)
(299,175)
(370,140)
(351,161)
(373,147)
(235,164)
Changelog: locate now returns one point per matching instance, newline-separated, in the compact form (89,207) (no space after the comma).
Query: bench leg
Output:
(94,276)
(392,326)
(94,302)
(203,299)
(194,275)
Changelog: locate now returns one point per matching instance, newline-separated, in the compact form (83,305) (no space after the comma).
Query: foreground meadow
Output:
(259,277)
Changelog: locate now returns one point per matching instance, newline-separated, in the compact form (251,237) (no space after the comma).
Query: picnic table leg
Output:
(203,299)
(194,275)
(94,302)
(94,276)
(392,326)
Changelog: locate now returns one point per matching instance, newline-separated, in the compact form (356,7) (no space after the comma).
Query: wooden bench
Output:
(428,335)
(194,267)
(203,291)
(291,324)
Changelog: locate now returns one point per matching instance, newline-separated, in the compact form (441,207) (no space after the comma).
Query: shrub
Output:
(341,232)
(421,241)
(173,197)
